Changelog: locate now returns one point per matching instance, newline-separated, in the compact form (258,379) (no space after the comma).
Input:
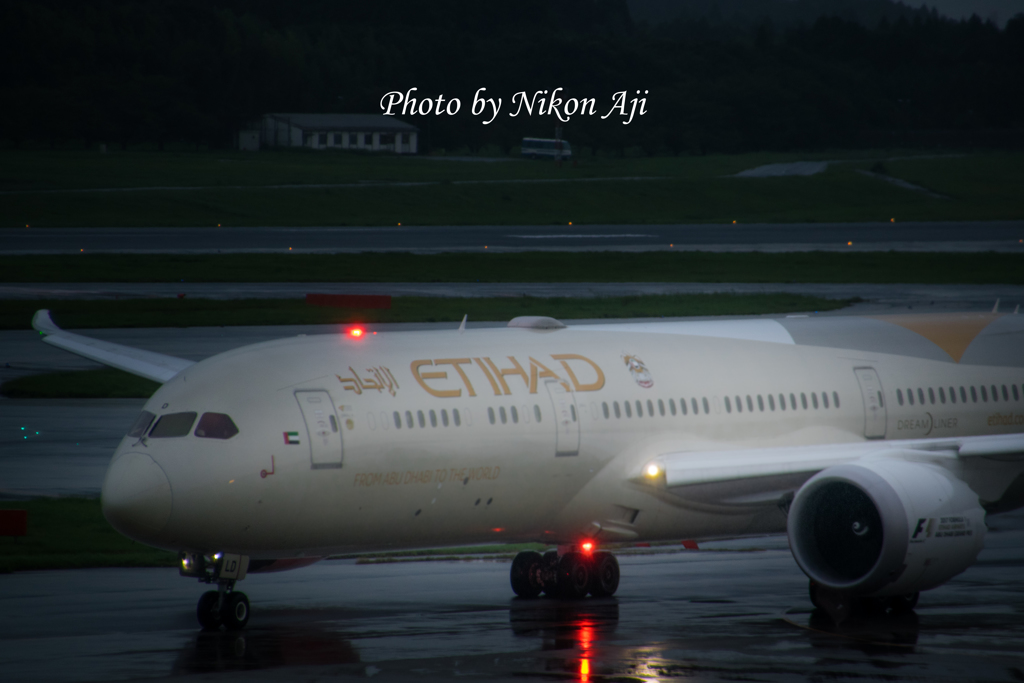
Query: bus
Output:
(543,148)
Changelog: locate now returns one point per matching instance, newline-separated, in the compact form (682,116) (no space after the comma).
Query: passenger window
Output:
(572,411)
(931,395)
(707,408)
(693,402)
(515,414)
(1016,396)
(672,403)
(536,412)
(782,401)
(218,426)
(615,405)
(739,405)
(145,419)
(792,401)
(750,404)
(172,424)
(824,399)
(803,400)
(408,419)
(421,419)
(728,405)
(974,395)
(984,394)
(490,414)
(920,395)
(444,417)
(942,395)
(629,409)
(455,417)
(910,396)
(398,420)
(1006,394)
(639,409)
(503,415)
(760,403)
(814,400)
(604,409)
(995,393)
(650,409)
(661,407)
(899,396)
(835,398)
(433,419)
(771,403)
(682,406)
(952,395)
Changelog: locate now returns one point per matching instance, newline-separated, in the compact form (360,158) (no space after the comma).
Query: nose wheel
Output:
(571,575)
(217,608)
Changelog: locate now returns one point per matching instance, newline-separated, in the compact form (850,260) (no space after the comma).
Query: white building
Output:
(371,132)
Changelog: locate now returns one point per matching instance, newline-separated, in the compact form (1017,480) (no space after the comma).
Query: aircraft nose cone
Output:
(136,496)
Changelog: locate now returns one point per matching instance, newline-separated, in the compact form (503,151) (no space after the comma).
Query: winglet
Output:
(462,327)
(43,323)
(995,309)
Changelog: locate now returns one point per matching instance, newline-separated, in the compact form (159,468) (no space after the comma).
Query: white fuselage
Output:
(349,445)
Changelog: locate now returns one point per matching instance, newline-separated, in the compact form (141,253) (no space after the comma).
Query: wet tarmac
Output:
(894,295)
(735,610)
(955,236)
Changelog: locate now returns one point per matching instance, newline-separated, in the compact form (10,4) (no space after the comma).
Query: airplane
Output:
(877,443)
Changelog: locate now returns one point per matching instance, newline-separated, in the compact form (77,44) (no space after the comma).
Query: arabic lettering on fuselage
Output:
(381,380)
(442,384)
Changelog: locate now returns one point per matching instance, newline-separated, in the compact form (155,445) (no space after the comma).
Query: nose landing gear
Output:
(224,606)
(571,574)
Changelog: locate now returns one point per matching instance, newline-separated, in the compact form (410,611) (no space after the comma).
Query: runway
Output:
(950,236)
(736,610)
(896,295)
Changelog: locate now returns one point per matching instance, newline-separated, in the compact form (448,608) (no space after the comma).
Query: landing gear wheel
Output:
(604,575)
(524,575)
(812,592)
(573,576)
(235,612)
(206,611)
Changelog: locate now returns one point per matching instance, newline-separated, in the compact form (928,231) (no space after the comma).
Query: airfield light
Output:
(849,244)
(734,222)
(570,222)
(652,470)
(356,332)
(892,220)
(584,669)
(216,556)
(186,563)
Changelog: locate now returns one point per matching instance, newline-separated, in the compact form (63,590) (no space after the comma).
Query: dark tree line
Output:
(161,71)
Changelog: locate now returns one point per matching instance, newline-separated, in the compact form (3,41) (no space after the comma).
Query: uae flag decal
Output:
(291,437)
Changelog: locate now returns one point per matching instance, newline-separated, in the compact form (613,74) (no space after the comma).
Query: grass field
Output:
(102,383)
(235,189)
(71,533)
(16,314)
(662,266)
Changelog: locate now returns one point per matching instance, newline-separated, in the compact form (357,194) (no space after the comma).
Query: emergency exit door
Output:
(874,403)
(567,423)
(322,428)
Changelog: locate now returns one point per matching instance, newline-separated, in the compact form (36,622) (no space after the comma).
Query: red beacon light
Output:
(356,332)
(587,547)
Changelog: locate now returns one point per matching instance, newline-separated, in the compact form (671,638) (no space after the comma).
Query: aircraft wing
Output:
(154,366)
(763,476)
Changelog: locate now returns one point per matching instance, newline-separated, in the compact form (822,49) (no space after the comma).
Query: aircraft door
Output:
(567,422)
(322,428)
(874,403)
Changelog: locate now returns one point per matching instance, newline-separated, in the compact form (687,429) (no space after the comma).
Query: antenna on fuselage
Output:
(995,309)
(462,327)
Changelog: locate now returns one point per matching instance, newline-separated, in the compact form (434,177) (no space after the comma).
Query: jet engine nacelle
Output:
(885,527)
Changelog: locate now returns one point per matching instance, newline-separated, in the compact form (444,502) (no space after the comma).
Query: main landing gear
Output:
(224,606)
(570,574)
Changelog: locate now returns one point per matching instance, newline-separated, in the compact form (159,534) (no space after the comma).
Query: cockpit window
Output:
(216,426)
(172,424)
(141,424)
